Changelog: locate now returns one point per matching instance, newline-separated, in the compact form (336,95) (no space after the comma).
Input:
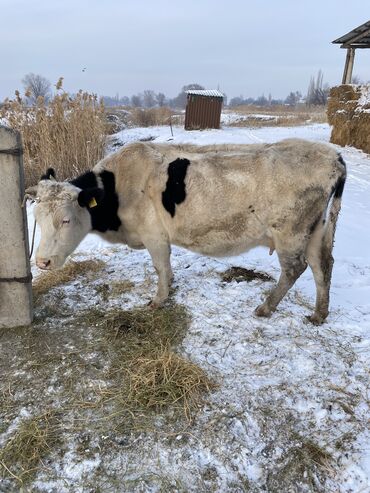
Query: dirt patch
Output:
(240,274)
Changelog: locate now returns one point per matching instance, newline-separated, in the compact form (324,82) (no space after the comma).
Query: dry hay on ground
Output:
(116,370)
(349,114)
(53,278)
(27,446)
(147,375)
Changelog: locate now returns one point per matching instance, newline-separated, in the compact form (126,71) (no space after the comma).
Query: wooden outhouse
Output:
(203,109)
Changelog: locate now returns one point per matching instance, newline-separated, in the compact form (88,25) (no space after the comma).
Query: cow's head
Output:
(61,211)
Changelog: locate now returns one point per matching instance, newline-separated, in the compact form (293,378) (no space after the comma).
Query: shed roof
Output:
(206,92)
(357,38)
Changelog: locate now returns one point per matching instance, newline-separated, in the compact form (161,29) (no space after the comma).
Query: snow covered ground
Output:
(284,385)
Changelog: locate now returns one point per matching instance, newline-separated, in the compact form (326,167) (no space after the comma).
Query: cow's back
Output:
(223,199)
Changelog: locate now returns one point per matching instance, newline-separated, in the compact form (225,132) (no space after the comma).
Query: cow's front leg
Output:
(160,253)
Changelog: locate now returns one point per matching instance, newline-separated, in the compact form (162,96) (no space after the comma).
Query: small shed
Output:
(355,39)
(203,109)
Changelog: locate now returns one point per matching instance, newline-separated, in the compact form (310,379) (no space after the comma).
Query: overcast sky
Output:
(243,47)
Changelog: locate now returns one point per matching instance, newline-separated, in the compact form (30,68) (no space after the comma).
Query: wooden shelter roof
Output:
(357,38)
(206,92)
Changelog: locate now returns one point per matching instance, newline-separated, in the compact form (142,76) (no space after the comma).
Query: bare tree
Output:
(317,93)
(180,100)
(136,100)
(35,86)
(293,98)
(161,99)
(149,98)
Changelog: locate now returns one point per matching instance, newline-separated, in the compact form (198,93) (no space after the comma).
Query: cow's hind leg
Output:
(292,266)
(160,254)
(320,259)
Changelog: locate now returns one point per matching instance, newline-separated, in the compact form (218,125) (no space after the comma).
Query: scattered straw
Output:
(32,440)
(50,279)
(303,464)
(114,289)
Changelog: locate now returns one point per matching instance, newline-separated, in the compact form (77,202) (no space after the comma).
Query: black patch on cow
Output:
(87,180)
(339,186)
(175,192)
(341,160)
(90,197)
(50,172)
(104,216)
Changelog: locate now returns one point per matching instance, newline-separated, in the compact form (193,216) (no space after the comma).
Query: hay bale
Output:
(349,114)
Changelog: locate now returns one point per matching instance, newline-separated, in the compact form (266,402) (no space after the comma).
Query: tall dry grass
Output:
(281,115)
(67,134)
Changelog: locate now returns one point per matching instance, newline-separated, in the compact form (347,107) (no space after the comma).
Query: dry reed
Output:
(279,116)
(67,134)
(141,117)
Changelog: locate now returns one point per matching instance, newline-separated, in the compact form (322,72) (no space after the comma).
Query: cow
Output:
(217,200)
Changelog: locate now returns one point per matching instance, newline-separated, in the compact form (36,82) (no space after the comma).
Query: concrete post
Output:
(15,273)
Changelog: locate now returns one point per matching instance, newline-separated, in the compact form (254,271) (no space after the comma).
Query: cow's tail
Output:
(334,205)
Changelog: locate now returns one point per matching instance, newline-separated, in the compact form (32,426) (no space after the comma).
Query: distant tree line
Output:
(150,99)
(317,94)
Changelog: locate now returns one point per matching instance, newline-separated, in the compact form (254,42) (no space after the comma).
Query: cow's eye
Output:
(65,221)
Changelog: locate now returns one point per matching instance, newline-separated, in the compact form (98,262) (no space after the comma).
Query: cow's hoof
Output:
(152,305)
(315,319)
(263,311)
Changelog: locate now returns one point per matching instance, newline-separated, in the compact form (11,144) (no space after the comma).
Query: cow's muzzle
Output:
(43,263)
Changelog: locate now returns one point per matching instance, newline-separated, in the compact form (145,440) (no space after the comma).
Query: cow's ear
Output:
(49,175)
(90,197)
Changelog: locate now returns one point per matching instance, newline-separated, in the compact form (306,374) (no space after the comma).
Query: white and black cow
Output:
(218,200)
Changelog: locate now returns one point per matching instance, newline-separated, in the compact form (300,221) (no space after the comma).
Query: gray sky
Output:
(244,47)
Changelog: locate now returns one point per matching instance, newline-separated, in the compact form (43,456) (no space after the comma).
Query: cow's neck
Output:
(104,217)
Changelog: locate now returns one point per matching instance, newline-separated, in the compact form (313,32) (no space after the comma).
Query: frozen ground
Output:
(291,413)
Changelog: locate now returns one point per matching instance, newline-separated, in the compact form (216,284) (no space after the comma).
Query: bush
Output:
(141,117)
(67,134)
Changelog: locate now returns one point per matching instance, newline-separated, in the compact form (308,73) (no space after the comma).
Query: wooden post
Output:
(348,68)
(15,272)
